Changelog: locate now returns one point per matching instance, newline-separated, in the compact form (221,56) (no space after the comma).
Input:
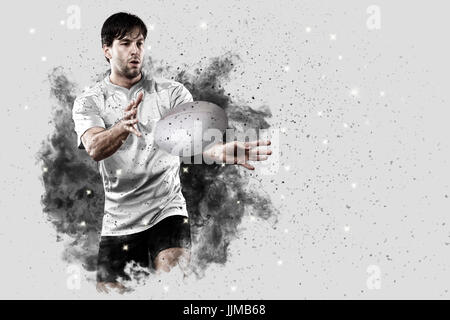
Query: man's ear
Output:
(107,51)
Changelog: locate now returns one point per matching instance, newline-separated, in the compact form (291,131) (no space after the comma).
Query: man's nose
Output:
(134,48)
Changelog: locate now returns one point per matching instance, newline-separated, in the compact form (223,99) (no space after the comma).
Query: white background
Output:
(344,206)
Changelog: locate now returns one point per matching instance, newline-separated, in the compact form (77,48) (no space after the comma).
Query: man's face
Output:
(126,55)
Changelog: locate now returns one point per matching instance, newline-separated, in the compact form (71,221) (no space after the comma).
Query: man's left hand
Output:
(238,152)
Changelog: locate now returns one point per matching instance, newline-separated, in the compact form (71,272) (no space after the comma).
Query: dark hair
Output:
(119,25)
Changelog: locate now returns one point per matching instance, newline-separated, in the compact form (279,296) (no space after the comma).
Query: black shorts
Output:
(142,247)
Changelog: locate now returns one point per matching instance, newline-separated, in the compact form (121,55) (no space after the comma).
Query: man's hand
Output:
(129,116)
(238,152)
(102,287)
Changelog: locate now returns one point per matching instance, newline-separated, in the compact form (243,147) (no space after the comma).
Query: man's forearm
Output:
(107,142)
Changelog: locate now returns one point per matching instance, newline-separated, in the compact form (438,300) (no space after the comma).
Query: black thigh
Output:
(116,251)
(171,232)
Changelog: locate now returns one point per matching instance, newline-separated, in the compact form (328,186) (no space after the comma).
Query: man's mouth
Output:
(134,62)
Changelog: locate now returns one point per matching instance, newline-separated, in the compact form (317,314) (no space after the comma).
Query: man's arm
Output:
(100,143)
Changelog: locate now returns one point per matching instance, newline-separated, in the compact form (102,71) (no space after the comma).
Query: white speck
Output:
(323,77)
(325,141)
(367,122)
(32,30)
(166,288)
(25,107)
(223,164)
(203,25)
(332,37)
(282,197)
(287,68)
(308,29)
(280,262)
(88,191)
(62,22)
(238,202)
(286,230)
(185,169)
(151,27)
(44,58)
(186,220)
(252,218)
(354,92)
(45,169)
(125,247)
(149,47)
(345,125)
(354,185)
(283,130)
(118,172)
(382,93)
(319,113)
(340,57)
(287,168)
(86,88)
(347,228)
(233,288)
(82,223)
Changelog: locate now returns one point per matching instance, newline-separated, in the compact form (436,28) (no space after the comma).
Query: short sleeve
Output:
(180,95)
(85,115)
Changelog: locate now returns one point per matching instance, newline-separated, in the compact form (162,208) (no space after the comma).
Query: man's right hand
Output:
(129,117)
(101,143)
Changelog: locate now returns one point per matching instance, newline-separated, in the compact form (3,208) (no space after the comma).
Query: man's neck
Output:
(123,81)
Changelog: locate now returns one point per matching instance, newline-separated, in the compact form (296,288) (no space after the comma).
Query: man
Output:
(145,218)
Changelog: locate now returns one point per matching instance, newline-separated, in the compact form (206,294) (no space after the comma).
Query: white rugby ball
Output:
(189,127)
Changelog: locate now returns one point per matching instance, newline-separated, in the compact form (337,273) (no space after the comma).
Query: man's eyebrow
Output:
(128,39)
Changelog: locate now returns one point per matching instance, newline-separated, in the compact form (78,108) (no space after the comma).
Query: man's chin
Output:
(132,73)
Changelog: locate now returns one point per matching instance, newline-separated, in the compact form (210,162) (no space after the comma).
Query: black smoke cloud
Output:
(216,195)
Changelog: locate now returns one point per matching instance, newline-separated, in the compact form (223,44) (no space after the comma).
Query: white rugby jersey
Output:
(141,181)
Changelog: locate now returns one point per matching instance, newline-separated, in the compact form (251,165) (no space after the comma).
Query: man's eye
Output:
(125,43)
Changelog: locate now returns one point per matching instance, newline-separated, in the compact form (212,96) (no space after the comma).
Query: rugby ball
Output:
(189,128)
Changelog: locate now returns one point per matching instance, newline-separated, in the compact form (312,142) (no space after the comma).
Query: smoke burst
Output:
(217,196)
